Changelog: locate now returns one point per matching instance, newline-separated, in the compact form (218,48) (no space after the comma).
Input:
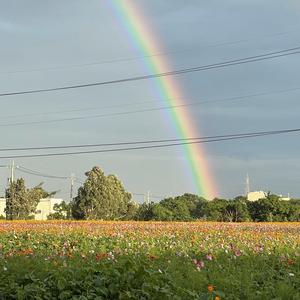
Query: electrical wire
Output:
(250,59)
(151,141)
(228,99)
(245,136)
(178,52)
(37,173)
(40,174)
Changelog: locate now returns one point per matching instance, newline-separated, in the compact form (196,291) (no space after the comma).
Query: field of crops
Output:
(148,260)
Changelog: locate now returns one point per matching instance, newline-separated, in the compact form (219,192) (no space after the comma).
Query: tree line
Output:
(104,197)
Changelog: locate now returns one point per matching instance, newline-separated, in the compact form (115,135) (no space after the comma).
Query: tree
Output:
(215,210)
(62,211)
(132,209)
(236,211)
(178,208)
(270,209)
(145,212)
(16,206)
(294,210)
(21,202)
(162,213)
(101,197)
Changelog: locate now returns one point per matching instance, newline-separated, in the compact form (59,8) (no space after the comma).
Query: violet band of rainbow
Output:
(139,33)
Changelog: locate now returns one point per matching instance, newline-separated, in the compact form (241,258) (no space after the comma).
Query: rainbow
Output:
(133,21)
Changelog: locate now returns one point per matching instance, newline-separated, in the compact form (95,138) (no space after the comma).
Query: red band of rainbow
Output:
(136,27)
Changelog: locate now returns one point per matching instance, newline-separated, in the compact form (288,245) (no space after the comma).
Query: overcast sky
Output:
(38,38)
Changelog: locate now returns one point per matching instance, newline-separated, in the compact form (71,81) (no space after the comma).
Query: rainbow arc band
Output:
(132,20)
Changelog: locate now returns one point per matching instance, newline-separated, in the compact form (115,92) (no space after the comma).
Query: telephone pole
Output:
(72,178)
(11,178)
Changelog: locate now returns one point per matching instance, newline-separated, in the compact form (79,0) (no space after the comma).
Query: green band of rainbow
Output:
(132,20)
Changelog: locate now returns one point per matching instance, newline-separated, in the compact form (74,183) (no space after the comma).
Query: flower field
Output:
(149,260)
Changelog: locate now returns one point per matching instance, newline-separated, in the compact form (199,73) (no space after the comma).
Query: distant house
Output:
(254,196)
(2,206)
(43,210)
(285,198)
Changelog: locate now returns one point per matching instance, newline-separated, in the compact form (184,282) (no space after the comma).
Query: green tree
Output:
(162,213)
(62,211)
(178,208)
(236,211)
(270,209)
(294,210)
(215,210)
(132,209)
(21,202)
(16,206)
(101,197)
(199,212)
(145,212)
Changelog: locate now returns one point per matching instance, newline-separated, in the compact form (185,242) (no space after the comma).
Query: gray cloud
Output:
(37,34)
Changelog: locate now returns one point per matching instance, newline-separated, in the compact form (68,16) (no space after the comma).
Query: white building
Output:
(254,196)
(285,198)
(2,206)
(43,210)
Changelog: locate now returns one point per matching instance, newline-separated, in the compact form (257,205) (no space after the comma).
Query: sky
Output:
(43,42)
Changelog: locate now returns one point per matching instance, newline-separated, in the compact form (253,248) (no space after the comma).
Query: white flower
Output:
(291,274)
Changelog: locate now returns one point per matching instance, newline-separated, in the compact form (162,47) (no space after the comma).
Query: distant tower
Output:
(247,186)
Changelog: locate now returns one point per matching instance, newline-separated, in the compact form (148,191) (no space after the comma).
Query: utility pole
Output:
(72,178)
(11,202)
(12,172)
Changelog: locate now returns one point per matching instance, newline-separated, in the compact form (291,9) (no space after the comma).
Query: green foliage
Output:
(101,197)
(145,212)
(163,213)
(236,211)
(62,211)
(180,208)
(132,209)
(215,210)
(21,202)
(270,209)
(130,260)
(191,207)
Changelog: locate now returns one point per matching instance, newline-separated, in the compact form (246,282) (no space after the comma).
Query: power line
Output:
(152,196)
(228,99)
(40,174)
(82,109)
(233,137)
(37,173)
(178,52)
(250,59)
(149,141)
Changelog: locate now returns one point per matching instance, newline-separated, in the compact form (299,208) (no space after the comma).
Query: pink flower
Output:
(209,257)
(199,264)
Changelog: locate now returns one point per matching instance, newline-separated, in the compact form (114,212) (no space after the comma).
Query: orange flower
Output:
(152,257)
(217,298)
(100,256)
(210,288)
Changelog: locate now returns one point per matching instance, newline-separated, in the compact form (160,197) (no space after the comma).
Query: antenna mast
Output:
(247,187)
